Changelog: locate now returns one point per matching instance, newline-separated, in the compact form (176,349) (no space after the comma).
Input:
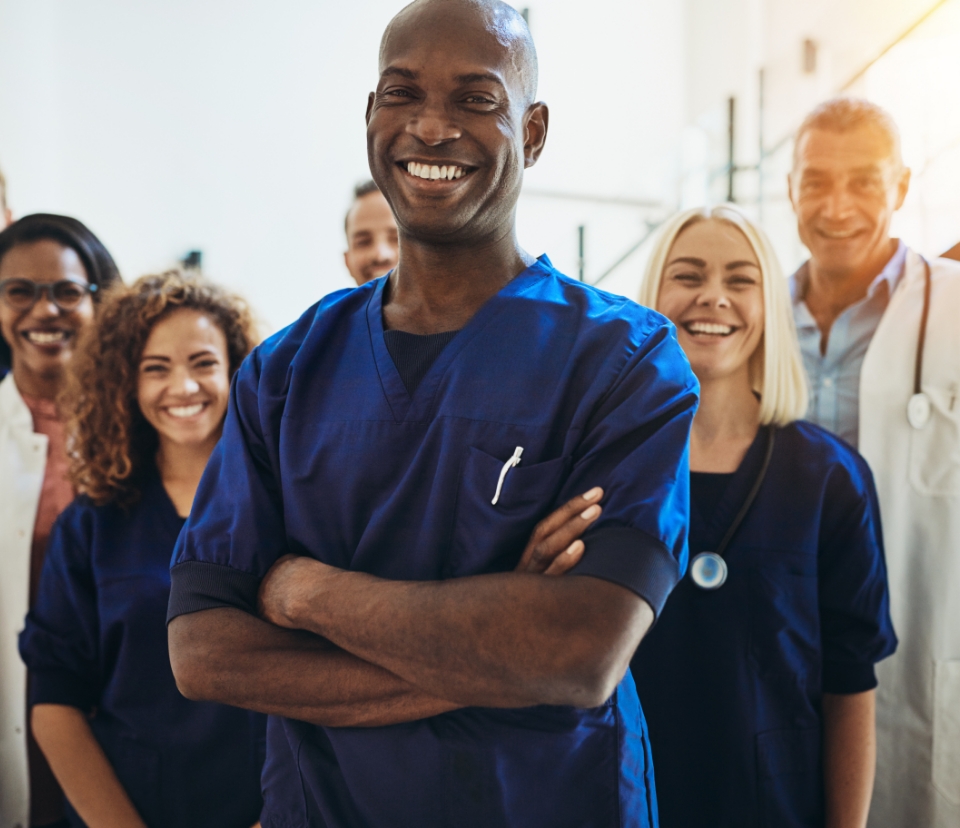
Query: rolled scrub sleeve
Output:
(855,624)
(636,446)
(60,640)
(229,542)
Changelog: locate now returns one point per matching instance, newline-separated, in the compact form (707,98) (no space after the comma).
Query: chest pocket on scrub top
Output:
(491,537)
(935,448)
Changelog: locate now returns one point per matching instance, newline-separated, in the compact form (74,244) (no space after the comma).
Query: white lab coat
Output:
(918,480)
(23,459)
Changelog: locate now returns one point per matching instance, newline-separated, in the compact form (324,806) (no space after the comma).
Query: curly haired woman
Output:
(147,392)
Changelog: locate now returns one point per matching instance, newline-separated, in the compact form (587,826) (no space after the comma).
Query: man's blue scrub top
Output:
(731,680)
(96,640)
(324,453)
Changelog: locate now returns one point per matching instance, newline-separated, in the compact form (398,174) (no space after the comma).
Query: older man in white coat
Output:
(879,328)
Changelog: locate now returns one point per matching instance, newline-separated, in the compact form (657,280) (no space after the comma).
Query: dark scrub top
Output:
(325,453)
(731,680)
(96,640)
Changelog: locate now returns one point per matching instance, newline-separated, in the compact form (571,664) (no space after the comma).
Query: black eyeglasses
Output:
(22,294)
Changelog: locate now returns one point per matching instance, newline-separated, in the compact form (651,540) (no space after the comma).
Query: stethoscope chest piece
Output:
(708,570)
(919,410)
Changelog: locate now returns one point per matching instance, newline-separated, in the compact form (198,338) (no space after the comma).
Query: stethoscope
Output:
(919,408)
(708,570)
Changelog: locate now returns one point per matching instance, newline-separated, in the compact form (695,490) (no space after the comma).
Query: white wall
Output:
(236,127)
(919,83)
(613,75)
(228,125)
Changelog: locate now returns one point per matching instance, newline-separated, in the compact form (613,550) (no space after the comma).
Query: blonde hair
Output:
(776,367)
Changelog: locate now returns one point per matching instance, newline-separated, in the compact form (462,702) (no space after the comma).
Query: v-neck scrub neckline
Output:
(416,406)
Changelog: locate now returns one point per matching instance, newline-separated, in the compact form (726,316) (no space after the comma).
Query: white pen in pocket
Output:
(513,461)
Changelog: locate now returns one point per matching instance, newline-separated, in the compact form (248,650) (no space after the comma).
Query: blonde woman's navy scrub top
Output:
(732,680)
(97,640)
(325,453)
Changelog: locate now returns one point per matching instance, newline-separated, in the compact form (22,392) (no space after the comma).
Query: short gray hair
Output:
(847,115)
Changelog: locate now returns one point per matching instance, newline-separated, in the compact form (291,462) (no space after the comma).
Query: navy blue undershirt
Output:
(413,354)
(707,490)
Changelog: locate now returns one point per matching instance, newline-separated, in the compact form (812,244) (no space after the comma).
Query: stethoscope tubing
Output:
(918,396)
(919,406)
(751,495)
(922,338)
(708,570)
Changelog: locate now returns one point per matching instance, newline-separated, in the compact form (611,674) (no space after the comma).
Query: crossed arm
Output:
(346,649)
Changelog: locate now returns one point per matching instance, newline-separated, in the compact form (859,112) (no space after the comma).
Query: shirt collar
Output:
(891,274)
(892,271)
(798,289)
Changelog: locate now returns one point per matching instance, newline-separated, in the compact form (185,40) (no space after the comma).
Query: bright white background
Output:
(236,127)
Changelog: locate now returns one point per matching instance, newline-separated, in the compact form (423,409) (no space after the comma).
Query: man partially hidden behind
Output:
(859,308)
(372,243)
(384,463)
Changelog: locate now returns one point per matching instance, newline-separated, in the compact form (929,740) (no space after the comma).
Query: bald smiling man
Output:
(374,555)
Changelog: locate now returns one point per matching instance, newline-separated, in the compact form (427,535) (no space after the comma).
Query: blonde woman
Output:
(757,681)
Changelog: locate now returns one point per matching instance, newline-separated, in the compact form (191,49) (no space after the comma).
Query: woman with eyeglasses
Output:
(145,399)
(758,680)
(53,271)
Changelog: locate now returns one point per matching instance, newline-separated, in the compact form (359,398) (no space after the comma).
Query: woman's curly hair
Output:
(110,443)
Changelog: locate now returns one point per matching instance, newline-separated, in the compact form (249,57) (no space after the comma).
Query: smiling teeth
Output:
(185,410)
(46,337)
(841,234)
(434,172)
(709,328)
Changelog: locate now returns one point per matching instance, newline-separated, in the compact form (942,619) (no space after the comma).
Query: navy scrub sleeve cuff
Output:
(845,677)
(197,585)
(633,559)
(61,687)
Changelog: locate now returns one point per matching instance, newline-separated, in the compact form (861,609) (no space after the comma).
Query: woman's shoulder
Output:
(83,511)
(813,446)
(82,515)
(102,531)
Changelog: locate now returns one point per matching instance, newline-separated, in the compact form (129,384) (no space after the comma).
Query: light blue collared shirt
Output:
(834,377)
